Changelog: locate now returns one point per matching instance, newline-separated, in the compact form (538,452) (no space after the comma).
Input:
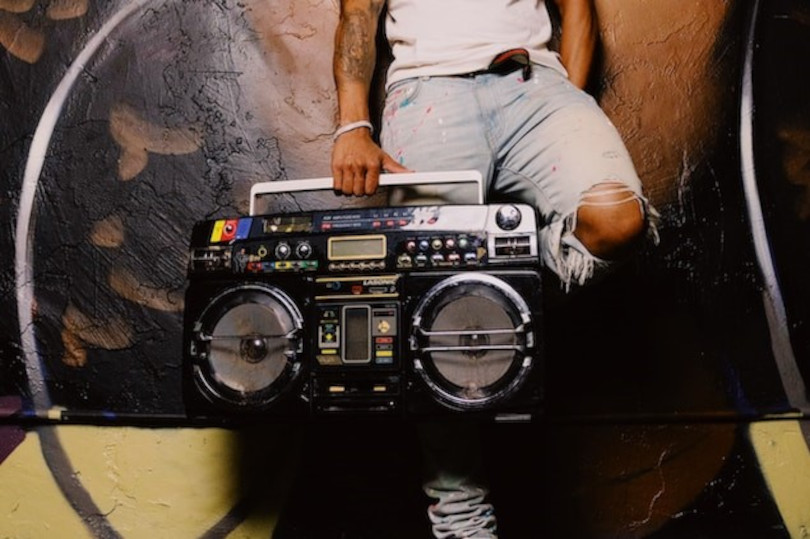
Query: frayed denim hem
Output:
(566,256)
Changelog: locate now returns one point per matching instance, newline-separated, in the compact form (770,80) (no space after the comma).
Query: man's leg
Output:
(453,471)
(559,152)
(540,141)
(432,125)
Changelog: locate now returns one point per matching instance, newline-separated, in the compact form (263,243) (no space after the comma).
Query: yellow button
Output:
(216,233)
(385,353)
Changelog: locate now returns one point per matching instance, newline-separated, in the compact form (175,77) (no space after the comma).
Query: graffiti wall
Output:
(675,392)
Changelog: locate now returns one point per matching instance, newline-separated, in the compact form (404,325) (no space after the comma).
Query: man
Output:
(474,85)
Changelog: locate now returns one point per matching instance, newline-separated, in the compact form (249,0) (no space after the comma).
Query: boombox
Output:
(412,310)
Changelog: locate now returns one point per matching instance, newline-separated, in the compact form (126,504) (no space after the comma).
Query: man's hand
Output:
(357,162)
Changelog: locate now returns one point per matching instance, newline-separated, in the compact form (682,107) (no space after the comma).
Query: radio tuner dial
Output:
(303,250)
(283,250)
(508,217)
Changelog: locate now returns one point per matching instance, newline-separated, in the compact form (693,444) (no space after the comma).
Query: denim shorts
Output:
(541,141)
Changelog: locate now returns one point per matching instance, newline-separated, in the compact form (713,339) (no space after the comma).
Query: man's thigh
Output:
(541,141)
(433,124)
(557,144)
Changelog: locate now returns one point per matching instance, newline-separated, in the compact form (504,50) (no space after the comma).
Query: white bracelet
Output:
(351,127)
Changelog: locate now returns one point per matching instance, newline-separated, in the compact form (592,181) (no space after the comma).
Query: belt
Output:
(505,63)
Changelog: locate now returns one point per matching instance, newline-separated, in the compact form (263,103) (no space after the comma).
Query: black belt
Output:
(505,63)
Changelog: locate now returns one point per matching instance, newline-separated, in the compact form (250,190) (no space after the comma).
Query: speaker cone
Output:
(247,344)
(473,339)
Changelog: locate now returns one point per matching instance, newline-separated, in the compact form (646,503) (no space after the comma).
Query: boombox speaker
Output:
(246,343)
(413,310)
(473,340)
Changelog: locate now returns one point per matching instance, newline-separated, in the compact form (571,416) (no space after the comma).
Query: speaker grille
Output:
(473,340)
(246,345)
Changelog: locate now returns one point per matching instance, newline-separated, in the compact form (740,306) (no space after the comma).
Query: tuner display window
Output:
(287,224)
(357,247)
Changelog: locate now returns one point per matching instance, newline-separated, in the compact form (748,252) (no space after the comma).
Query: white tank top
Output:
(452,37)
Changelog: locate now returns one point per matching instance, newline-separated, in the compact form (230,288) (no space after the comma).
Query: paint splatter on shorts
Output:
(541,141)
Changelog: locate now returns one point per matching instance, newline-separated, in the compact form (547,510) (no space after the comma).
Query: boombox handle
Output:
(386,180)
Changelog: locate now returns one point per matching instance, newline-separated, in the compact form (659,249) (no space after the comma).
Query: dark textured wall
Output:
(182,108)
(186,103)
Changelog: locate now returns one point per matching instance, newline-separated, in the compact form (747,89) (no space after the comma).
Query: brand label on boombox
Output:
(365,310)
(370,286)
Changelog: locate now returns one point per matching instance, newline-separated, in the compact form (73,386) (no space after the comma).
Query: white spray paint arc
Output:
(24,232)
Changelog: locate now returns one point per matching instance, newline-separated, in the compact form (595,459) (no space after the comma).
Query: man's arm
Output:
(578,39)
(356,159)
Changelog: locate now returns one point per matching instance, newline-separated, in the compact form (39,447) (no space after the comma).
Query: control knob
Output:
(508,217)
(282,250)
(303,250)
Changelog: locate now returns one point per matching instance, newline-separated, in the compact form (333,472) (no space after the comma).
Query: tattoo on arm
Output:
(355,49)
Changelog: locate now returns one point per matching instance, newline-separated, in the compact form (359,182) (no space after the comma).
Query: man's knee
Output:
(610,220)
